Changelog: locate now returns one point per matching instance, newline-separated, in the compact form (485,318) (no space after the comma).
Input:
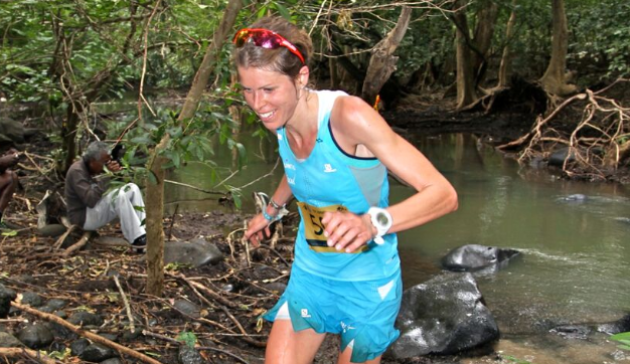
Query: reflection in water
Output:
(574,267)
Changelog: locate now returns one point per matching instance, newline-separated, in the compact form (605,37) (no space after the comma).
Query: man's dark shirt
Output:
(82,191)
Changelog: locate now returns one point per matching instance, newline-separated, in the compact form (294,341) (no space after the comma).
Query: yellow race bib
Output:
(314,228)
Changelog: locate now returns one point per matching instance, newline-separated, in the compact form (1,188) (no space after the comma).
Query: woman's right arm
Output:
(258,224)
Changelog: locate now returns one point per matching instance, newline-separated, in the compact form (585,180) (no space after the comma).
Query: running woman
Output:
(336,151)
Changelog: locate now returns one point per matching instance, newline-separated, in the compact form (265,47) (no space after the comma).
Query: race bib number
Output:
(314,227)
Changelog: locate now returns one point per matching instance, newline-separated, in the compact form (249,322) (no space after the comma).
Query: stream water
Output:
(573,237)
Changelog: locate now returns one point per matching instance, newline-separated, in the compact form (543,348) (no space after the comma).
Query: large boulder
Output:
(196,253)
(474,257)
(445,315)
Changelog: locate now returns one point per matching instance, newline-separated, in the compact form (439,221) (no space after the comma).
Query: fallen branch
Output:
(63,237)
(93,337)
(35,355)
(205,289)
(79,244)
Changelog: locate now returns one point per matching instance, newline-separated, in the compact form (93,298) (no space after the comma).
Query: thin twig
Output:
(132,326)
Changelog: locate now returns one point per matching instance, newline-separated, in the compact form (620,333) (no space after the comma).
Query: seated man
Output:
(88,205)
(8,181)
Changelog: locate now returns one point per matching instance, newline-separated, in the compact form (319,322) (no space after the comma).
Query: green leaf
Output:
(236,196)
(621,336)
(9,233)
(187,338)
(284,12)
(261,12)
(152,177)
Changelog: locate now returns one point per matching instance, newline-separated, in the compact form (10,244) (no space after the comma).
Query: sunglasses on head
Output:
(265,38)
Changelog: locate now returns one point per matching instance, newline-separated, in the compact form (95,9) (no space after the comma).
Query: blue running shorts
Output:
(362,312)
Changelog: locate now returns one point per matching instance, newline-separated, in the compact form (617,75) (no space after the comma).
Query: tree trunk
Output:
(68,137)
(505,68)
(155,232)
(383,62)
(486,21)
(553,81)
(466,94)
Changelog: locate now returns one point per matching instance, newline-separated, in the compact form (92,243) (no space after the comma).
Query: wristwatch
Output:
(382,221)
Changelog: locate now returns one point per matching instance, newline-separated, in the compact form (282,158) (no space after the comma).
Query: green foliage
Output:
(188,338)
(623,338)
(601,38)
(9,233)
(57,355)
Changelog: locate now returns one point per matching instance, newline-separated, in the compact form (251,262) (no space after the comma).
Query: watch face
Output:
(382,219)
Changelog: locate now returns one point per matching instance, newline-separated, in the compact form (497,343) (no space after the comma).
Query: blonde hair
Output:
(279,59)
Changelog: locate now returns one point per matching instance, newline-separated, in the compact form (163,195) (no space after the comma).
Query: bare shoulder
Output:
(354,118)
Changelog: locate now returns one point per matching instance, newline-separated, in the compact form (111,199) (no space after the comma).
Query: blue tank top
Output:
(328,180)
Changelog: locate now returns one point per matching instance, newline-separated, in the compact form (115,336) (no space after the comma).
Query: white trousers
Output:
(120,203)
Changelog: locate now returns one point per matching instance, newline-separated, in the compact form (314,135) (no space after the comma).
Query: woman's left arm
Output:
(356,123)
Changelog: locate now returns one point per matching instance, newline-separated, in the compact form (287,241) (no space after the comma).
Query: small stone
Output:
(36,336)
(97,353)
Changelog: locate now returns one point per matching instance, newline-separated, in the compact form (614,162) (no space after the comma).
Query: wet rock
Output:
(187,308)
(558,157)
(112,361)
(110,337)
(79,346)
(6,296)
(62,332)
(54,305)
(473,257)
(445,315)
(619,326)
(9,341)
(580,332)
(32,299)
(188,355)
(36,336)
(575,198)
(57,346)
(129,336)
(97,353)
(84,318)
(197,252)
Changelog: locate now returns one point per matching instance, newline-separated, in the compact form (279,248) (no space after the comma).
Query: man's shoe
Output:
(140,244)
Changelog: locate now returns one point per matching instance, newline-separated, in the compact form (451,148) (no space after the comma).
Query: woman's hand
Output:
(347,231)
(255,229)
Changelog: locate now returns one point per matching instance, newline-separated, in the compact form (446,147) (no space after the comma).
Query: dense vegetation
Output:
(62,56)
